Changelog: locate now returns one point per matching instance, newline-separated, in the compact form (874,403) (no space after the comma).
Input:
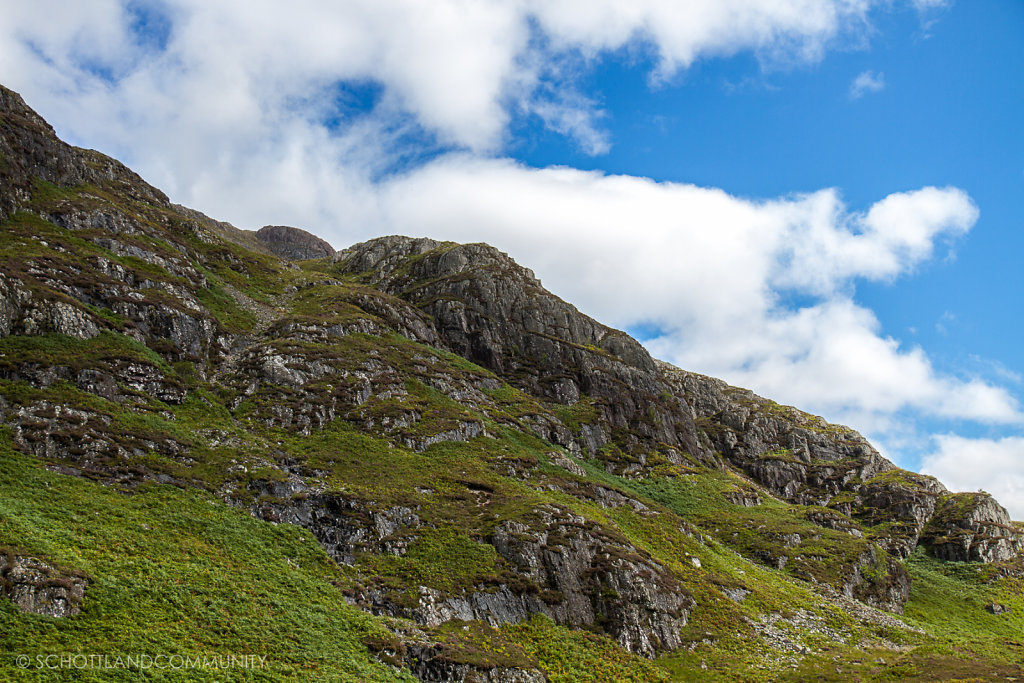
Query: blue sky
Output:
(816,199)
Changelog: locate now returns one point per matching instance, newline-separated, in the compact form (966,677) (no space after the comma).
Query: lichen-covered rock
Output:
(293,243)
(972,527)
(37,586)
(494,312)
(572,571)
(877,579)
(89,441)
(23,313)
(462,431)
(797,456)
(804,459)
(830,519)
(901,501)
(121,382)
(344,526)
(594,579)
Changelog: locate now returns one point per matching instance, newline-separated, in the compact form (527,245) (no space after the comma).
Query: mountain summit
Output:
(408,460)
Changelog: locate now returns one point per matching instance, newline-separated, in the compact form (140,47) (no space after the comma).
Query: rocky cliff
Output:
(293,244)
(490,310)
(483,470)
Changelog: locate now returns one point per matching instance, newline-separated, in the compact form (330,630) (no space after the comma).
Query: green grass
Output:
(232,317)
(580,413)
(938,586)
(107,350)
(176,572)
(567,656)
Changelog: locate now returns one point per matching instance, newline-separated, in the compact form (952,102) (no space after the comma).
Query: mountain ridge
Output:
(464,446)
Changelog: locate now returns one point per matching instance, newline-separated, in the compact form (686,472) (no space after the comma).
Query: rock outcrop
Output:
(590,578)
(344,526)
(568,568)
(293,244)
(972,527)
(496,313)
(31,152)
(37,586)
(803,459)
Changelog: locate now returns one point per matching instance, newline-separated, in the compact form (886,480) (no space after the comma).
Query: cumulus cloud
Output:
(455,66)
(777,29)
(995,465)
(865,82)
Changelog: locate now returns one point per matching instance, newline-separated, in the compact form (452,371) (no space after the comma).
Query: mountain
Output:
(408,460)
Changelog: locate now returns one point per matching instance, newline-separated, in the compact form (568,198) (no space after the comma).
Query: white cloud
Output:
(576,117)
(457,67)
(995,465)
(681,33)
(865,82)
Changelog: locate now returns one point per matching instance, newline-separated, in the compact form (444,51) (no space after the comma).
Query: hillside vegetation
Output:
(408,460)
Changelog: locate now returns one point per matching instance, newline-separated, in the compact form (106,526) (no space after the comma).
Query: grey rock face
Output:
(494,312)
(343,526)
(463,431)
(120,381)
(594,579)
(906,502)
(23,313)
(744,498)
(384,314)
(805,460)
(85,440)
(797,456)
(39,587)
(866,583)
(829,519)
(427,663)
(293,244)
(972,527)
(573,572)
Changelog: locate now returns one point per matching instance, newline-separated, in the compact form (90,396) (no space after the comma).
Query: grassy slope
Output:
(177,572)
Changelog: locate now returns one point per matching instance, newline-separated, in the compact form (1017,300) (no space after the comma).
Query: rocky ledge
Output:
(293,244)
(37,586)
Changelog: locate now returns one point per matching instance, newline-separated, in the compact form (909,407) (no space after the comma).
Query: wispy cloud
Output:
(923,5)
(866,82)
(946,320)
